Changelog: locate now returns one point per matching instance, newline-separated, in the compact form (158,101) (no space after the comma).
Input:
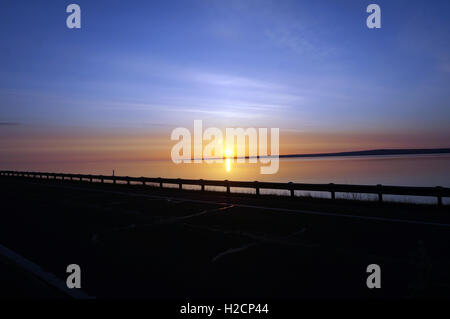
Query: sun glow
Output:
(228,164)
(228,153)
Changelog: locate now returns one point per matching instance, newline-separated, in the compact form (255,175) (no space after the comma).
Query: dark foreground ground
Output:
(135,241)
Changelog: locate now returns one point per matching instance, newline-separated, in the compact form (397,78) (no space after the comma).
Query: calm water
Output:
(416,170)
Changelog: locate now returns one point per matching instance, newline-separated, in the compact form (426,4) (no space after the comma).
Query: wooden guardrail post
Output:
(291,189)
(380,193)
(202,184)
(128,180)
(439,195)
(143,181)
(228,186)
(333,193)
(180,185)
(257,187)
(114,180)
(160,182)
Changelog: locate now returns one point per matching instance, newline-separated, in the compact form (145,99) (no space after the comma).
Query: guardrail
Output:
(380,190)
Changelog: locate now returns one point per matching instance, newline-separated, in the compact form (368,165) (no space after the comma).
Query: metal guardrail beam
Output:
(380,190)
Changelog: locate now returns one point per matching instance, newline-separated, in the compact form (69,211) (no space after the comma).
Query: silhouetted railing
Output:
(380,190)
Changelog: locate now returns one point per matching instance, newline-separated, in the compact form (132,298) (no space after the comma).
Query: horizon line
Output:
(373,152)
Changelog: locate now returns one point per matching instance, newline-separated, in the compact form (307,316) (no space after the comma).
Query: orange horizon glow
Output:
(28,146)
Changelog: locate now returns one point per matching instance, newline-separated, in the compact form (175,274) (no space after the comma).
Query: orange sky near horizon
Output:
(28,145)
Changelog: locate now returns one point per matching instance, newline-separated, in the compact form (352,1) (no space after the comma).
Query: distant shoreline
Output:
(412,151)
(376,152)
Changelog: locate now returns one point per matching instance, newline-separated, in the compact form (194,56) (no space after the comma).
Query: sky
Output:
(136,70)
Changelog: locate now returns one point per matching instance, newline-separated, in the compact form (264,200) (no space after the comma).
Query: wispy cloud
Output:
(230,81)
(300,41)
(291,40)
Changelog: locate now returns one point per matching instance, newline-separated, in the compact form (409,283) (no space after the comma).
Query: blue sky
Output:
(302,66)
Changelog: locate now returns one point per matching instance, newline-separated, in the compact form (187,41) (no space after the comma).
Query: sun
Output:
(228,153)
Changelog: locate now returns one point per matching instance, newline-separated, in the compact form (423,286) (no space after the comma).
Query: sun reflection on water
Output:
(228,154)
(228,164)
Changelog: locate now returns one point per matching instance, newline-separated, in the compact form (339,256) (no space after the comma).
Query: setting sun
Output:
(228,153)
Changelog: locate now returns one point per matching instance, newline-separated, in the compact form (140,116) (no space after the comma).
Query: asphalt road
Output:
(134,241)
